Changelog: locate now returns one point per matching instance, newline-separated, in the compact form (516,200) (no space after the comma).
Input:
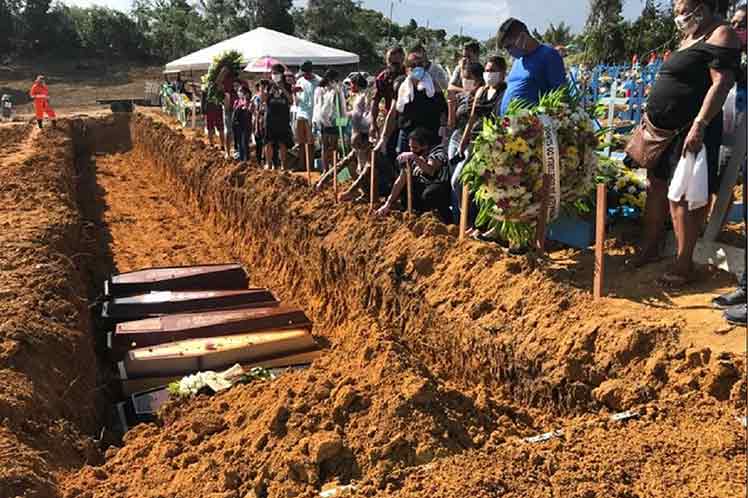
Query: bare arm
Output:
(428,166)
(722,82)
(389,125)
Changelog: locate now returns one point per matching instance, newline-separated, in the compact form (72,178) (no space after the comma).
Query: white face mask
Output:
(468,85)
(688,23)
(277,78)
(492,79)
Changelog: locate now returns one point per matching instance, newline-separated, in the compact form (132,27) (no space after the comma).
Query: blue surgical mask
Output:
(417,73)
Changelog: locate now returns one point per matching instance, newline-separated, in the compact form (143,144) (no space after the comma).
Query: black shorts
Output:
(278,135)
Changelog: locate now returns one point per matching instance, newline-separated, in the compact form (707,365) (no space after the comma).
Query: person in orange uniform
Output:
(40,93)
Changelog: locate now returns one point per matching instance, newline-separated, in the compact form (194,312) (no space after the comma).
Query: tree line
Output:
(157,31)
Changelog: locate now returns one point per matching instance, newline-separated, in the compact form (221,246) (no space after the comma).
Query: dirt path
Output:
(144,224)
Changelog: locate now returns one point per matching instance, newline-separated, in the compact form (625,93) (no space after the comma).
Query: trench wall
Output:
(468,312)
(47,364)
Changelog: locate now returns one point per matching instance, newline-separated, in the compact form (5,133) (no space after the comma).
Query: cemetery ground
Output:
(441,358)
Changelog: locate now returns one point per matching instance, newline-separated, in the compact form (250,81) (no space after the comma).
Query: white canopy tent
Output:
(262,42)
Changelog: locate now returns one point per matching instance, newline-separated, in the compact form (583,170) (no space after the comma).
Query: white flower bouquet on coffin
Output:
(511,155)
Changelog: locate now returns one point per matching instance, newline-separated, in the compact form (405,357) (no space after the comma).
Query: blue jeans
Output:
(241,140)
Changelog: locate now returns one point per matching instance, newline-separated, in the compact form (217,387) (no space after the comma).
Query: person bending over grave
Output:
(430,176)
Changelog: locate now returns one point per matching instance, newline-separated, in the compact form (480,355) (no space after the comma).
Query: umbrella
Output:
(261,65)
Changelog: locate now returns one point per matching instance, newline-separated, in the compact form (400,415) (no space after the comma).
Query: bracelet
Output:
(702,124)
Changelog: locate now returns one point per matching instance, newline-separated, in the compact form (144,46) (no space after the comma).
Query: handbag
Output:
(648,143)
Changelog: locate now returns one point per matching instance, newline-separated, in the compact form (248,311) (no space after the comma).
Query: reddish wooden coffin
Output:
(169,328)
(176,278)
(161,303)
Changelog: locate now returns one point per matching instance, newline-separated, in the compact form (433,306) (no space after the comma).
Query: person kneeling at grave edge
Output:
(428,162)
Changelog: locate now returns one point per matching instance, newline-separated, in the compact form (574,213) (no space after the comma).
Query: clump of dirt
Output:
(47,378)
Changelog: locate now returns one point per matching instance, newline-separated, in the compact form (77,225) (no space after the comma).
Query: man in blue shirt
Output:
(537,69)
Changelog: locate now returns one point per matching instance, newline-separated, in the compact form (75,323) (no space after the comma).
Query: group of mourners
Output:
(420,116)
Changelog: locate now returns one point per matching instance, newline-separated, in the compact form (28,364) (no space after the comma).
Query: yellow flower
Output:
(522,146)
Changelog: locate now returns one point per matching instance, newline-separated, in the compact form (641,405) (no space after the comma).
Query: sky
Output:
(478,18)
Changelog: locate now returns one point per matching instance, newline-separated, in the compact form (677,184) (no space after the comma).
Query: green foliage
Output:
(604,35)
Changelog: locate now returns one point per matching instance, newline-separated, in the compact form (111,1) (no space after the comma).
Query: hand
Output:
(379,148)
(373,132)
(694,139)
(405,157)
(383,211)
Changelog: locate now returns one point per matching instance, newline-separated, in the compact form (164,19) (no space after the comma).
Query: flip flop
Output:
(672,280)
(640,260)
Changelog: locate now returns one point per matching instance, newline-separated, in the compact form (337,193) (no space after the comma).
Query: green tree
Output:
(604,34)
(36,23)
(171,27)
(105,31)
(654,30)
(558,34)
(9,10)
(275,14)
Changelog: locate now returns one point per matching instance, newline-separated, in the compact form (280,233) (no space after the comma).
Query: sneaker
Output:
(738,296)
(736,315)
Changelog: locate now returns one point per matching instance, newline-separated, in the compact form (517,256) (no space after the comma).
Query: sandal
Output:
(672,280)
(641,259)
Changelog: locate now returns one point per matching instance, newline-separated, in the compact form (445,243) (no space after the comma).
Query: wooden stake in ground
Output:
(602,209)
(409,184)
(335,174)
(308,156)
(542,224)
(373,197)
(194,111)
(464,210)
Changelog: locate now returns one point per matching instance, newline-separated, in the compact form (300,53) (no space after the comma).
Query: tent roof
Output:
(263,42)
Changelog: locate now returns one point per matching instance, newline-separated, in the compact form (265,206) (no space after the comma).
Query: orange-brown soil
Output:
(440,356)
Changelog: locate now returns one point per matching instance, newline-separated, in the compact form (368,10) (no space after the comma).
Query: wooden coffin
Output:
(194,355)
(176,278)
(170,328)
(144,405)
(154,304)
(132,386)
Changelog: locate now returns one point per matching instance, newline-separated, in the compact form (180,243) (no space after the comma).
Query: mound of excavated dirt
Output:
(440,356)
(47,367)
(437,349)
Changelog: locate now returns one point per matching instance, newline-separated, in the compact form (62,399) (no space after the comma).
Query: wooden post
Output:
(373,197)
(602,209)
(308,157)
(729,180)
(194,112)
(542,225)
(409,184)
(335,174)
(464,210)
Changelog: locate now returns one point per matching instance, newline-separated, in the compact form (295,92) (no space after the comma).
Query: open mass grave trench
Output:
(440,357)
